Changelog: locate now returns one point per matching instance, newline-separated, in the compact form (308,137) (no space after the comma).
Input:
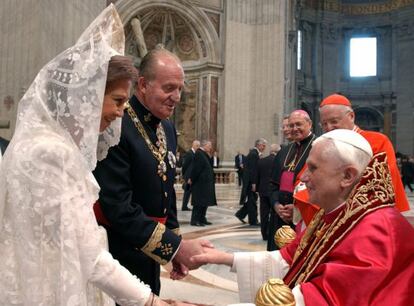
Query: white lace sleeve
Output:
(118,282)
(254,269)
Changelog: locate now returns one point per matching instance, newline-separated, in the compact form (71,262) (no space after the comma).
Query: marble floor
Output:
(213,284)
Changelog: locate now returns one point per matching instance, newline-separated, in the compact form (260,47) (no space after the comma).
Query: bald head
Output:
(274,148)
(195,145)
(155,59)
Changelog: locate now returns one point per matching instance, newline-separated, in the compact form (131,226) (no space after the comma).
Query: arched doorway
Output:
(369,119)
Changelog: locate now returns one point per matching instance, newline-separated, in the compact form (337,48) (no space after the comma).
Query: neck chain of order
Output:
(159,151)
(292,165)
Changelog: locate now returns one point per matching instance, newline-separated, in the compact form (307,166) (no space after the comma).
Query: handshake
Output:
(194,253)
(191,255)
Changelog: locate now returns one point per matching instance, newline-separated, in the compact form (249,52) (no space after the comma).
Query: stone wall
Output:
(32,33)
(254,73)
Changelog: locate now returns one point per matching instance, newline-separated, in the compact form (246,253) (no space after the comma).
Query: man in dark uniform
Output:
(249,184)
(203,185)
(137,202)
(264,173)
(187,166)
(239,164)
(288,163)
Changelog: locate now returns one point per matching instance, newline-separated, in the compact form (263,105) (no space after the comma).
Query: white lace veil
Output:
(68,92)
(49,238)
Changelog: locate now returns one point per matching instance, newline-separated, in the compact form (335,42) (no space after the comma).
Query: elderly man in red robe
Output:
(357,249)
(336,112)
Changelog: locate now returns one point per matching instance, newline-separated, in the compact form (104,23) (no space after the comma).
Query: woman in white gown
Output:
(52,252)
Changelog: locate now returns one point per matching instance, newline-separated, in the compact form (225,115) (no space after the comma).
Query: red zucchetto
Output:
(335,99)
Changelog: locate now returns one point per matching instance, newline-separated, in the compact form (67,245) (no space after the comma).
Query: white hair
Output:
(260,141)
(350,147)
(204,142)
(345,108)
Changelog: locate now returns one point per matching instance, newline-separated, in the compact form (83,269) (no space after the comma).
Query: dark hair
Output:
(120,68)
(146,67)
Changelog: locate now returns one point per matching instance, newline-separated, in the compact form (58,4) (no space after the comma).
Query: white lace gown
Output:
(52,251)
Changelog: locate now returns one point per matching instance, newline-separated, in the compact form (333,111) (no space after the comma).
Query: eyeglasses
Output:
(333,121)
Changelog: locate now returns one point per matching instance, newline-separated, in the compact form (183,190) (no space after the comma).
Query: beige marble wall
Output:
(253,74)
(32,33)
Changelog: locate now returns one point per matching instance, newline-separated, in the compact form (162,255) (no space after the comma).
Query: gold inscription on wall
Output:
(361,9)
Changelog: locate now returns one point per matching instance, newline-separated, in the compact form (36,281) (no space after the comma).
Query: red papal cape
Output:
(360,254)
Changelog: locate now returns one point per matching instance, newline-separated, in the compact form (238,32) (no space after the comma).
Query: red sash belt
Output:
(162,220)
(102,219)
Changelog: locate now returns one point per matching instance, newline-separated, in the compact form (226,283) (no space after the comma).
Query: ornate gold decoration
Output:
(155,243)
(284,236)
(147,117)
(166,249)
(374,191)
(159,151)
(275,292)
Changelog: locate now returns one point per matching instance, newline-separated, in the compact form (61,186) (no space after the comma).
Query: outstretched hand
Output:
(213,256)
(179,270)
(188,248)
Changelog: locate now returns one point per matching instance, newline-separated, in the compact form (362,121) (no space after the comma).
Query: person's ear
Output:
(350,175)
(142,84)
(352,116)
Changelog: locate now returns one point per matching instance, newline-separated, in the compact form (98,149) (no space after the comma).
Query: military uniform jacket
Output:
(203,181)
(133,195)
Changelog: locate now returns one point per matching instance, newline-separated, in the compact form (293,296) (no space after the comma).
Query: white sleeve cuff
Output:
(254,269)
(297,293)
(116,281)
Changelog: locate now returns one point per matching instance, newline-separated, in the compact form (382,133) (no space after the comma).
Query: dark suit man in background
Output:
(264,173)
(239,164)
(137,203)
(215,160)
(186,170)
(249,184)
(203,185)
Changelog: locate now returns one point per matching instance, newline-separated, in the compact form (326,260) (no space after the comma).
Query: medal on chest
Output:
(159,151)
(172,160)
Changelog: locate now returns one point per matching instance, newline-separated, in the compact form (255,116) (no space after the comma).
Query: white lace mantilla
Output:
(52,251)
